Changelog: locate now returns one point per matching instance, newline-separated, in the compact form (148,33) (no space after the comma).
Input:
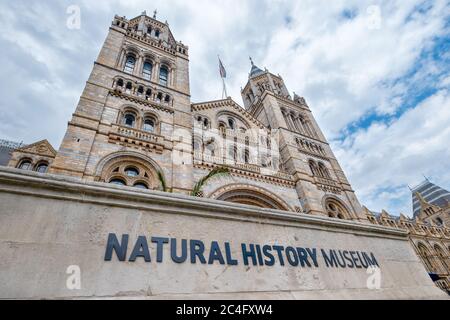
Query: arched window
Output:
(129,87)
(131,172)
(210,148)
(148,94)
(442,257)
(118,182)
(294,121)
(130,64)
(159,96)
(426,257)
(323,171)
(149,125)
(247,156)
(163,76)
(25,165)
(140,185)
(313,167)
(140,90)
(157,33)
(439,221)
(129,120)
(167,98)
(231,123)
(42,167)
(222,127)
(120,83)
(147,70)
(335,209)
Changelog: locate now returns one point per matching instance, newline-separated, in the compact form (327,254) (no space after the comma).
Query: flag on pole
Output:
(223,72)
(223,75)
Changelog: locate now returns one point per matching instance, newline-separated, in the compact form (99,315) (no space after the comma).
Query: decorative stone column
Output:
(155,73)
(138,65)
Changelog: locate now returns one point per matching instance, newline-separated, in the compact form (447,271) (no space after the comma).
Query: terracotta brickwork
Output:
(135,126)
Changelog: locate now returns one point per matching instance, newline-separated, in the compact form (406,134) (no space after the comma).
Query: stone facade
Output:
(36,157)
(135,126)
(135,111)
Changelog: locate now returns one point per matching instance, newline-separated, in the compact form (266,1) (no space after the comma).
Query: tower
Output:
(134,112)
(321,184)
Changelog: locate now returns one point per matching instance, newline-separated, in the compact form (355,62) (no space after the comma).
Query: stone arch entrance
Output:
(250,195)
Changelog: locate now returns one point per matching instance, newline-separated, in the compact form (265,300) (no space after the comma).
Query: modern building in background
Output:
(6,149)
(428,231)
(432,194)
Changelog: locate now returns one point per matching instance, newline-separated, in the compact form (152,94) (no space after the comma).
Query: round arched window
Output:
(131,172)
(129,120)
(129,64)
(335,209)
(118,182)
(149,125)
(25,165)
(147,70)
(140,185)
(231,123)
(163,76)
(42,168)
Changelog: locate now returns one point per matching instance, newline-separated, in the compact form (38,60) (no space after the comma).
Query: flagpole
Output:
(223,76)
(224,89)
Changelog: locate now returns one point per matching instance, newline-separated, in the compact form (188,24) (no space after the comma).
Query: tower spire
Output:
(155,13)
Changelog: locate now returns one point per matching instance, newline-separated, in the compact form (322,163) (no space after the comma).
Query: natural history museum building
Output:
(151,196)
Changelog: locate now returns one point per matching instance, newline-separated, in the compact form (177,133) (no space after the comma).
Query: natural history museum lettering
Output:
(196,251)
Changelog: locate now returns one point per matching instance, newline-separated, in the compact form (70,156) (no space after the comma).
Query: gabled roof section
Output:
(229,103)
(430,193)
(42,148)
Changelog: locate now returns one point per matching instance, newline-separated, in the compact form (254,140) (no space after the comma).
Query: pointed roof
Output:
(43,148)
(255,71)
(430,193)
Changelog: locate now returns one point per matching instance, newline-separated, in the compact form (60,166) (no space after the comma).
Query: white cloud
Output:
(392,156)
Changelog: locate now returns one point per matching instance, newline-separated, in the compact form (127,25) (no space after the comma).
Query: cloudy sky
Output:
(375,73)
